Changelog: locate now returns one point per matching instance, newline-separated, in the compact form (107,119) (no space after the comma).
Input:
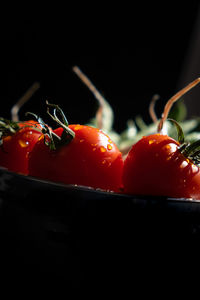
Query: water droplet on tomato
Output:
(77,127)
(151,142)
(102,149)
(103,162)
(109,147)
(167,147)
(195,169)
(184,164)
(82,140)
(41,137)
(23,143)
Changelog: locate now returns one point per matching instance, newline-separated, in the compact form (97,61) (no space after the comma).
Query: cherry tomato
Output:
(29,123)
(156,166)
(16,147)
(89,159)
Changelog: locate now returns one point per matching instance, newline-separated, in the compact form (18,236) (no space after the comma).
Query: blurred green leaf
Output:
(178,111)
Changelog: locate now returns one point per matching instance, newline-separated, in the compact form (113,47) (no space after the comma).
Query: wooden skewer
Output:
(152,110)
(174,99)
(95,92)
(28,94)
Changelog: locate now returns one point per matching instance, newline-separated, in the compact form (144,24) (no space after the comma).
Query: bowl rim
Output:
(6,174)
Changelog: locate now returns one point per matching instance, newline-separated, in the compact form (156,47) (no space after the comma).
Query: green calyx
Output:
(51,139)
(192,151)
(189,150)
(67,134)
(7,128)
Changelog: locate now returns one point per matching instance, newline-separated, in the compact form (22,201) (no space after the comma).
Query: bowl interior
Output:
(78,232)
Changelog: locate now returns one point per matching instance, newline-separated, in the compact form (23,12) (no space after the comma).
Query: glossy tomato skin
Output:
(155,166)
(90,159)
(15,148)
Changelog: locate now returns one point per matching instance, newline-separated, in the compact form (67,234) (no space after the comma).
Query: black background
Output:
(129,55)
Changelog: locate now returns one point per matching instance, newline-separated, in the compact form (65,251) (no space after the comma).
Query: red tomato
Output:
(90,159)
(156,166)
(15,148)
(29,123)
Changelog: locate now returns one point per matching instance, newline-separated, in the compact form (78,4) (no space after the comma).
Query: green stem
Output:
(54,138)
(8,127)
(54,141)
(67,132)
(57,108)
(191,149)
(181,138)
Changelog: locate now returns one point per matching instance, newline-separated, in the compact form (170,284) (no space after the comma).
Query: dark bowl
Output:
(56,231)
